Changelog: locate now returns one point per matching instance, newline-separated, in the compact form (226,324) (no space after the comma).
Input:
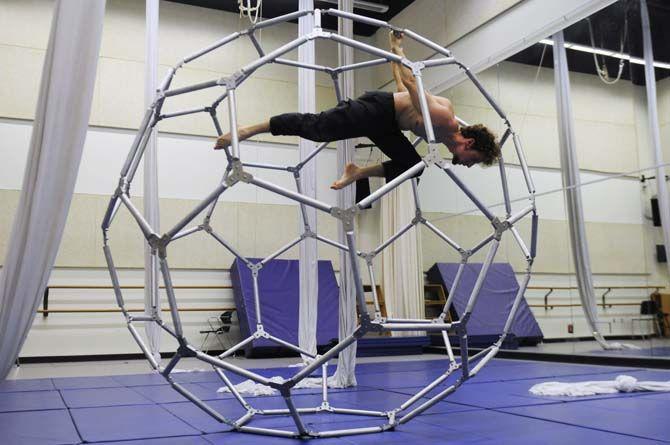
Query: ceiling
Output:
(274,8)
(608,30)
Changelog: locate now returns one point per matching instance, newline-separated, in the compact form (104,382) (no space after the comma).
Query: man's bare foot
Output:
(351,174)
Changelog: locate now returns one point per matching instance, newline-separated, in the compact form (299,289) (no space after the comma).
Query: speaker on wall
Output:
(655,214)
(661,256)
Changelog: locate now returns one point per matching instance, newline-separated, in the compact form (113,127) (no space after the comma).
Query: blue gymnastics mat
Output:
(492,408)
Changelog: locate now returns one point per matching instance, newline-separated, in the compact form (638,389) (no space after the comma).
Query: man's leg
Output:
(242,133)
(353,172)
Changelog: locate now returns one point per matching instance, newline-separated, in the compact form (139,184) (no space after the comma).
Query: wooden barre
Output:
(131,286)
(112,310)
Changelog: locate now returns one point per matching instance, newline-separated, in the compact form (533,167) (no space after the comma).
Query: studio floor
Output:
(119,402)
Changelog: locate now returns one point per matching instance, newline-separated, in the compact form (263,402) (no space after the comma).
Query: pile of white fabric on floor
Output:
(623,383)
(251,388)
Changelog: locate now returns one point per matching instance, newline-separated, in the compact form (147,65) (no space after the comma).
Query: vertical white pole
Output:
(346,364)
(309,285)
(652,112)
(151,207)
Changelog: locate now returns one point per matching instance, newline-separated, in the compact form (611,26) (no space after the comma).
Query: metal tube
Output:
(167,329)
(230,248)
(303,209)
(515,305)
(418,167)
(425,112)
(307,370)
(232,118)
(524,164)
(232,368)
(136,141)
(114,276)
(237,347)
(217,125)
(280,19)
(170,366)
(186,233)
(533,235)
(410,320)
(257,45)
(395,236)
(365,47)
(296,417)
(359,65)
(520,242)
(324,382)
(428,43)
(359,412)
(480,279)
(144,225)
(143,347)
(356,17)
(425,390)
(183,113)
(415,326)
(267,431)
(165,84)
(332,243)
(483,361)
(111,211)
(486,94)
(503,179)
(452,291)
(470,195)
(172,301)
(212,47)
(352,431)
(245,418)
(308,66)
(253,66)
(444,237)
(314,152)
(292,195)
(447,344)
(438,62)
(265,166)
(418,410)
(136,161)
(257,298)
(199,403)
(196,211)
(514,218)
(415,193)
(373,287)
(291,346)
(281,250)
(191,88)
(482,243)
(356,274)
(143,318)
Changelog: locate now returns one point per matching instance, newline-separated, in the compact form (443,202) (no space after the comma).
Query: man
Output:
(381,117)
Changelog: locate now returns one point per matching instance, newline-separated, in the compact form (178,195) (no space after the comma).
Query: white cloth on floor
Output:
(251,388)
(623,383)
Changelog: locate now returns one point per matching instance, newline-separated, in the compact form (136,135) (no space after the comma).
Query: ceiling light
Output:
(606,52)
(361,4)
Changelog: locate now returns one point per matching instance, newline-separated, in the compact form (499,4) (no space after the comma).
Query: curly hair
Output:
(485,142)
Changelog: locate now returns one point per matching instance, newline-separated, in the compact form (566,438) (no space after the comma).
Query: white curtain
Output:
(402,277)
(56,144)
(151,202)
(345,375)
(309,278)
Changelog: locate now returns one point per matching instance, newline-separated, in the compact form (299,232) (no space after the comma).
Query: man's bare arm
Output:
(404,76)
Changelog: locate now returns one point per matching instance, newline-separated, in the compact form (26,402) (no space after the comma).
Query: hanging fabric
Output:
(345,374)
(152,303)
(623,383)
(573,197)
(309,280)
(56,144)
(402,277)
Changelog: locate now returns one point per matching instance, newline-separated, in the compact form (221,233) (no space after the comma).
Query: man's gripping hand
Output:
(395,41)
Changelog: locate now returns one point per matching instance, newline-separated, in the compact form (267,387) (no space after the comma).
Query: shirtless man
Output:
(381,117)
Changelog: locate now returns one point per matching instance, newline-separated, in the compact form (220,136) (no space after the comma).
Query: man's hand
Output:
(223,142)
(395,41)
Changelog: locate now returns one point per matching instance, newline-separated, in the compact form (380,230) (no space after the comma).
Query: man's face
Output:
(464,154)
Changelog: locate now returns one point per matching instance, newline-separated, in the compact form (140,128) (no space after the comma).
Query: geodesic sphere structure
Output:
(457,369)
